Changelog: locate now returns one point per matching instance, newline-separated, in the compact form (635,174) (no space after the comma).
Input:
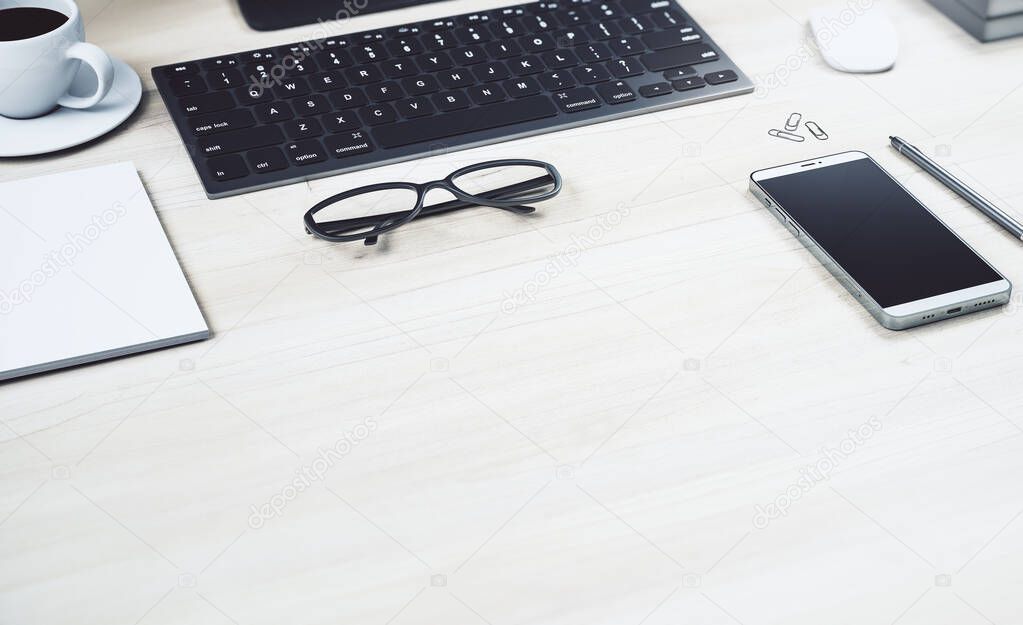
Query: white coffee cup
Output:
(36,73)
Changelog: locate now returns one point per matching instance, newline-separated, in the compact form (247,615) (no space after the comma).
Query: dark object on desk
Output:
(987,20)
(507,184)
(960,188)
(265,118)
(19,23)
(277,14)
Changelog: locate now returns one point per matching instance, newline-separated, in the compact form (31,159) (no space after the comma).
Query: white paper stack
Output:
(87,273)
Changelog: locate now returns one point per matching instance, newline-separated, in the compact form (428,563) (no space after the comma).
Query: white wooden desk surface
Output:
(595,454)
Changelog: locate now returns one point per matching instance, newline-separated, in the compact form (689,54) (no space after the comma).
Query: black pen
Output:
(1000,217)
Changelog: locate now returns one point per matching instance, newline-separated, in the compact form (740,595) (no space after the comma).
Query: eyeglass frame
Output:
(392,221)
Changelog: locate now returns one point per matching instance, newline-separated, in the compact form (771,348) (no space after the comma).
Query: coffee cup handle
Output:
(98,60)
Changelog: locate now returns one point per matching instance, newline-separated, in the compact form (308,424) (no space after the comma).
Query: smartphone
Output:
(893,254)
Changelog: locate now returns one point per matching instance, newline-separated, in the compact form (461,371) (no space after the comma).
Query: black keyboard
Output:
(274,116)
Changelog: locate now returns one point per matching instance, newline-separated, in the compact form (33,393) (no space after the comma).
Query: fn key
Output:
(227,167)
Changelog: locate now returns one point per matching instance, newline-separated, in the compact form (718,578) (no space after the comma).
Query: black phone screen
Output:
(886,240)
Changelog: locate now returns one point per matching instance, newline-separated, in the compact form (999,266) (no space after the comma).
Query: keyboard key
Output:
(593,53)
(666,19)
(521,87)
(207,103)
(384,92)
(333,59)
(340,122)
(616,92)
(221,122)
(253,94)
(569,37)
(292,88)
(605,10)
(348,144)
(348,98)
(221,62)
(451,101)
(557,81)
(303,129)
(627,46)
(602,31)
(327,81)
(679,73)
(187,85)
(465,122)
(560,59)
(273,112)
(591,74)
(306,152)
(538,23)
(573,17)
(468,55)
(311,105)
(643,6)
(421,86)
(439,41)
(225,79)
(363,75)
(505,49)
(507,28)
(490,72)
(677,57)
(455,79)
(636,24)
(266,160)
(527,65)
(225,168)
(414,107)
(671,38)
(654,90)
(689,83)
(537,43)
(404,46)
(486,94)
(624,68)
(258,56)
(399,68)
(378,114)
(367,53)
(575,100)
(239,140)
(299,68)
(435,62)
(181,69)
(720,78)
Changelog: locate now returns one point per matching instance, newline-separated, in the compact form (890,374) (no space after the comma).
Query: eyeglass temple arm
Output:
(504,193)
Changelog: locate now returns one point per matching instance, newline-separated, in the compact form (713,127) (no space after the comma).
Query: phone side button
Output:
(792,228)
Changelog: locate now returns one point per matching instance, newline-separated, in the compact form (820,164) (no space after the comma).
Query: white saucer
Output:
(65,128)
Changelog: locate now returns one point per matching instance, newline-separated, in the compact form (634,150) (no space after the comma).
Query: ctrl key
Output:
(306,152)
(225,168)
(266,160)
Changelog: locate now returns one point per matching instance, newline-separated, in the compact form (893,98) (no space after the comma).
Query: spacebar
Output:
(463,122)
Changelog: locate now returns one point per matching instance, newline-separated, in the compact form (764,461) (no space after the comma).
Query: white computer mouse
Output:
(850,40)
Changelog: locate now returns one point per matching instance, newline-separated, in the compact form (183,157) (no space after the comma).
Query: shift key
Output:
(238,140)
(678,57)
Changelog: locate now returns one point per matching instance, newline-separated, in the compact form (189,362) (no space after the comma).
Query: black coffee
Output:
(27,22)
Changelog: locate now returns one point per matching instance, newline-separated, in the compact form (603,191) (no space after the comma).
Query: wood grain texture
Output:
(574,418)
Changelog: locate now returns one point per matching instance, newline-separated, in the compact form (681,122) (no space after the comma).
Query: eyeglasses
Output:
(368,212)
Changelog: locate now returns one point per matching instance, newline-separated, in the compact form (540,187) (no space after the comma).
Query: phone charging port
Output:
(952,311)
